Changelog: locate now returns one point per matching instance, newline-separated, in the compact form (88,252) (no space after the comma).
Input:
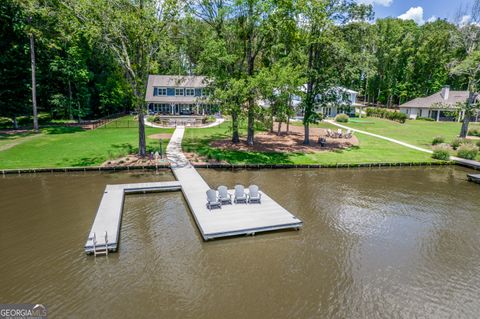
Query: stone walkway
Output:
(461,161)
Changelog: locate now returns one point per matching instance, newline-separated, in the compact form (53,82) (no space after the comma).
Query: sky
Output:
(420,11)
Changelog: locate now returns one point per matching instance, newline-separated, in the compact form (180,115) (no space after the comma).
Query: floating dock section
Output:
(474,178)
(106,226)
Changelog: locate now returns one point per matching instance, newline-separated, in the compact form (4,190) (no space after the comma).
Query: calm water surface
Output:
(381,243)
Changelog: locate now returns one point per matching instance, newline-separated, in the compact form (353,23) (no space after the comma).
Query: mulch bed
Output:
(287,143)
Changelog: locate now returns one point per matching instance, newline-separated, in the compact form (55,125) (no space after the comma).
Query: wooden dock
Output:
(230,220)
(109,213)
(474,178)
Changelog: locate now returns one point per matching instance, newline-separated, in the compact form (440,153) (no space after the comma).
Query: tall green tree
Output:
(468,40)
(134,33)
(14,61)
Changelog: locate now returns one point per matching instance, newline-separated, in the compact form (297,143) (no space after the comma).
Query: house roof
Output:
(186,81)
(433,100)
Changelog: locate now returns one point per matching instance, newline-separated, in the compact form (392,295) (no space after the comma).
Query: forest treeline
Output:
(93,57)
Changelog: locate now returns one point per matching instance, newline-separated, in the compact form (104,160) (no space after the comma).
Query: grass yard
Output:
(370,150)
(70,146)
(419,133)
(11,139)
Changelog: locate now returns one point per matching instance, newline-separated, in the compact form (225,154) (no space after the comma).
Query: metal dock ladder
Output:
(100,249)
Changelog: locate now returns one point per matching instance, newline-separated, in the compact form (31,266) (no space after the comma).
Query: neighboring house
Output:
(345,102)
(441,106)
(178,95)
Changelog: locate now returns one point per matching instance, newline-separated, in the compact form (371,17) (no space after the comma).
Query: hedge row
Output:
(23,121)
(387,114)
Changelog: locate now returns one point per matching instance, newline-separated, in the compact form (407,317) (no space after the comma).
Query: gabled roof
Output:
(191,81)
(436,99)
(185,81)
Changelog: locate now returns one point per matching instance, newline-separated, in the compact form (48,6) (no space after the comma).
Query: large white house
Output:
(441,106)
(344,101)
(178,95)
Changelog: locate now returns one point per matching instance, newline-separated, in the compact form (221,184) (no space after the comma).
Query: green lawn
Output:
(370,150)
(7,139)
(62,147)
(419,132)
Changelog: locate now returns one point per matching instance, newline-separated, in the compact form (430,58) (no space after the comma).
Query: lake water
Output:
(376,243)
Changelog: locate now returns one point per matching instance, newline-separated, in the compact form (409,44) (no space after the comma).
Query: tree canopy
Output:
(93,57)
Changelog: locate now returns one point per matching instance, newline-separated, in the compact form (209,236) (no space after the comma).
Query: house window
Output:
(190,92)
(179,92)
(162,91)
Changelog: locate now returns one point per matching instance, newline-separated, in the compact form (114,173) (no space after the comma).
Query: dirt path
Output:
(18,141)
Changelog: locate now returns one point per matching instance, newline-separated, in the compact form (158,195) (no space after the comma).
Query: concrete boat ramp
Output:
(230,220)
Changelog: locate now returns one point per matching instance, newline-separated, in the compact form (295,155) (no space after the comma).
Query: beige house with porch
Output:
(441,106)
(178,95)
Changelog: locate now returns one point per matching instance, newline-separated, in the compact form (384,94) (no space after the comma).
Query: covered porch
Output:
(198,109)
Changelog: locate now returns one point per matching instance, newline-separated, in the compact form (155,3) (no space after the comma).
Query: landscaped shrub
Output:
(387,114)
(210,119)
(467,151)
(474,132)
(5,122)
(425,119)
(438,140)
(457,142)
(478,143)
(441,152)
(24,121)
(341,118)
(43,118)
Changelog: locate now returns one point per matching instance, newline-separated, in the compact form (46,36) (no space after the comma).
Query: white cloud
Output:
(415,14)
(432,19)
(465,20)
(385,3)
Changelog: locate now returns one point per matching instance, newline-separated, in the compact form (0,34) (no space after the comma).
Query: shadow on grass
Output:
(202,147)
(62,130)
(87,161)
(11,136)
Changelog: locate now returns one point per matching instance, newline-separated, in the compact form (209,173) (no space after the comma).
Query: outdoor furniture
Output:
(223,195)
(212,200)
(322,141)
(340,133)
(240,195)
(348,135)
(253,194)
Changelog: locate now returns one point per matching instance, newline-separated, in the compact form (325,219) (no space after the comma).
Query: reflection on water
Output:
(375,243)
